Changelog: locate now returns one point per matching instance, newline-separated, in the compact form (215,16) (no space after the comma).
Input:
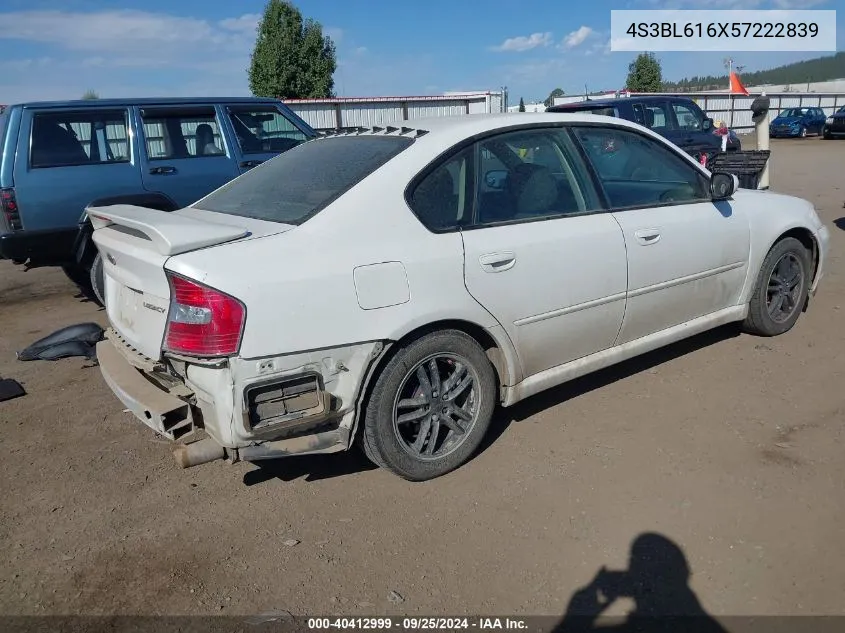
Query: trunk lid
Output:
(136,242)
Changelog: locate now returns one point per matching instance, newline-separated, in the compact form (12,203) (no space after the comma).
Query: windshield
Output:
(794,112)
(296,185)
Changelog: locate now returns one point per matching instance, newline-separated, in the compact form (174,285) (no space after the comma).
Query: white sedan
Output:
(390,286)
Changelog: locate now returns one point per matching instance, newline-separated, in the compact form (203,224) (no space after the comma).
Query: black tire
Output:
(388,443)
(827,136)
(770,289)
(803,132)
(97,281)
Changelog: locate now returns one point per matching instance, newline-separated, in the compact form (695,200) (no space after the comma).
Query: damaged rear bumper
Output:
(306,403)
(162,412)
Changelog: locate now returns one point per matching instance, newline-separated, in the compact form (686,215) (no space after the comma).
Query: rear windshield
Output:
(295,185)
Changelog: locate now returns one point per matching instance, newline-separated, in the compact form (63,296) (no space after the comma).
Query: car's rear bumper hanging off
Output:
(202,404)
(156,408)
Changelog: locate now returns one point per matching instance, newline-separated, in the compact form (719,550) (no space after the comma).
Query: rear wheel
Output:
(430,407)
(781,291)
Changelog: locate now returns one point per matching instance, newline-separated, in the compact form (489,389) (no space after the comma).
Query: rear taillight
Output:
(202,321)
(9,206)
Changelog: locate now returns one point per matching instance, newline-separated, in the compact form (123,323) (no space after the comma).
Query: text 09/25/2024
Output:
(416,623)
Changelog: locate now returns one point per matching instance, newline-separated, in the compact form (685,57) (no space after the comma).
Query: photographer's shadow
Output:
(657,580)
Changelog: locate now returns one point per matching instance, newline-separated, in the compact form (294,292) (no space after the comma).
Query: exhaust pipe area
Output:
(206,450)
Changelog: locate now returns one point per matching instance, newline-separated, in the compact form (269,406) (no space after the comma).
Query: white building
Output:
(529,107)
(349,112)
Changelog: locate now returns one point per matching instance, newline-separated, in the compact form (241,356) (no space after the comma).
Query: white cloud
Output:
(140,35)
(124,32)
(245,24)
(577,37)
(199,56)
(602,47)
(524,43)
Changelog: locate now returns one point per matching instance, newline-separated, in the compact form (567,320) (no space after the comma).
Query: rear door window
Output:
(297,184)
(262,129)
(653,115)
(64,139)
(176,133)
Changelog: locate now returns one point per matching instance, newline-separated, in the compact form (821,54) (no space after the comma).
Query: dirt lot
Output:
(729,445)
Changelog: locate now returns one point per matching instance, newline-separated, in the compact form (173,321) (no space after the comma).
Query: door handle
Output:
(647,237)
(497,262)
(249,164)
(164,169)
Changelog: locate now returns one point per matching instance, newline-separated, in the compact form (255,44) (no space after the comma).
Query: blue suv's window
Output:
(688,118)
(173,133)
(264,129)
(652,115)
(63,139)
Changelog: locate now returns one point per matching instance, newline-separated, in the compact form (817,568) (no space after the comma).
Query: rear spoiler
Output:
(170,232)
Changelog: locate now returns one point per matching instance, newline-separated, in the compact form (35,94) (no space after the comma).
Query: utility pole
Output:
(729,65)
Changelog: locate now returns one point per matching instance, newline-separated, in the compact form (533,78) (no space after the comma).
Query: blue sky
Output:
(56,49)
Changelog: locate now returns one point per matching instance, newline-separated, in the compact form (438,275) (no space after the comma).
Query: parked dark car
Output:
(56,158)
(677,118)
(834,125)
(798,122)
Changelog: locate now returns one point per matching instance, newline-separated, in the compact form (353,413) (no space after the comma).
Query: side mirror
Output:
(723,185)
(495,178)
(707,125)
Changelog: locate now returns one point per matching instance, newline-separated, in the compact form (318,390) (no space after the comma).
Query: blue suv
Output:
(56,158)
(679,119)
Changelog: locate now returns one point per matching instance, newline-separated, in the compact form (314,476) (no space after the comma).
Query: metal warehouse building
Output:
(350,112)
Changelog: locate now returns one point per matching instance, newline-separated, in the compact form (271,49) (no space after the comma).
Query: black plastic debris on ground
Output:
(10,389)
(74,340)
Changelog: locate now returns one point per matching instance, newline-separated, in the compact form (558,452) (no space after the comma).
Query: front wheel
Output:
(781,291)
(430,407)
(803,132)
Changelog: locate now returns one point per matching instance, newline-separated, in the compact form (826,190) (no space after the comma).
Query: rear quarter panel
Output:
(300,288)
